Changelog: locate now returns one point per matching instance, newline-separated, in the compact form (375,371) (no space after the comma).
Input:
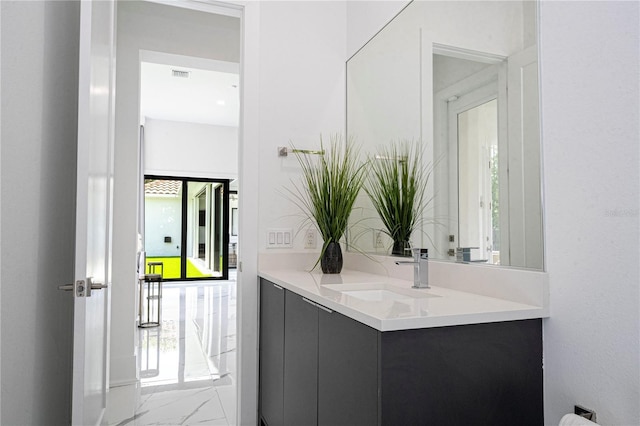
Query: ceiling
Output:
(205,96)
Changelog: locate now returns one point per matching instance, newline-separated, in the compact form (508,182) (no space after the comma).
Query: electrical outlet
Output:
(378,241)
(310,239)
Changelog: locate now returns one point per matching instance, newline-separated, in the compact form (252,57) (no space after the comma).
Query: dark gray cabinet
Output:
(347,371)
(476,374)
(271,353)
(334,370)
(306,353)
(300,361)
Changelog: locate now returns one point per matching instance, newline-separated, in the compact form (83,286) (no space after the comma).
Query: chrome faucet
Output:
(420,267)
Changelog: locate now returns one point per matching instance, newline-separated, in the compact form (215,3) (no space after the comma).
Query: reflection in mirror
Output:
(461,77)
(477,139)
(467,93)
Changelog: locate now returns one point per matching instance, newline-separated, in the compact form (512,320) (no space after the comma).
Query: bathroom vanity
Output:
(362,349)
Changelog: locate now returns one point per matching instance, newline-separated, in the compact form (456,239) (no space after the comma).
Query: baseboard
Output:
(123,371)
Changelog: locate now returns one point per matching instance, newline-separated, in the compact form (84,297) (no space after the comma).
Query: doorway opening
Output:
(469,121)
(189,120)
(166,51)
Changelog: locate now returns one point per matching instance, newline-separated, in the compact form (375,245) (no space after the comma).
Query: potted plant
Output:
(396,185)
(330,184)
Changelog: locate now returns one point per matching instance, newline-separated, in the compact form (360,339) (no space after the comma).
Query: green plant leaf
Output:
(329,186)
(396,185)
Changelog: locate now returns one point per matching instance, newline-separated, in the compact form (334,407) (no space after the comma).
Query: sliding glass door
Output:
(186,227)
(205,227)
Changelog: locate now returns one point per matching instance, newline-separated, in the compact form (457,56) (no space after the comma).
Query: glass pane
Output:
(233,239)
(219,229)
(163,226)
(201,249)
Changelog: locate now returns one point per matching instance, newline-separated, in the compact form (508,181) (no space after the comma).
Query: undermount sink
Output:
(378,292)
(375,295)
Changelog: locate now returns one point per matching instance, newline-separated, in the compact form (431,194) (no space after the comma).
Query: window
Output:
(187,226)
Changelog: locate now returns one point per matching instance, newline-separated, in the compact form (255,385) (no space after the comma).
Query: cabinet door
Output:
(271,352)
(347,371)
(300,361)
(478,374)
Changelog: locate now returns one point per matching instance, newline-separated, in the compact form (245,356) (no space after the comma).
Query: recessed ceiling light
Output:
(221,103)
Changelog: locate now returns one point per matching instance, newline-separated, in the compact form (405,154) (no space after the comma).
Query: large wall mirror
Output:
(460,79)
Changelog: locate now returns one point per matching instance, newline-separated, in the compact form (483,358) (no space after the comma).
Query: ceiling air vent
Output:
(178,73)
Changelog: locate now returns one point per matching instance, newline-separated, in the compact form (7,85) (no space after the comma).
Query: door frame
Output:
(249,185)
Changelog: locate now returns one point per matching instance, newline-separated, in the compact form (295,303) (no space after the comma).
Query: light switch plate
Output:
(279,238)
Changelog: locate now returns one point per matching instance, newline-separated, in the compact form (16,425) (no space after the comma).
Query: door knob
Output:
(83,288)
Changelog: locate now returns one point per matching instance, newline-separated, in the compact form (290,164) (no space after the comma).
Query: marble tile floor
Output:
(187,365)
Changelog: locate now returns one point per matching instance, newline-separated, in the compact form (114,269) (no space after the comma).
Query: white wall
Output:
(160,28)
(162,218)
(175,148)
(302,95)
(293,90)
(38,108)
(590,92)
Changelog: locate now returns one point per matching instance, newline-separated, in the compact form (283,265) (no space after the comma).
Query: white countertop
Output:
(388,304)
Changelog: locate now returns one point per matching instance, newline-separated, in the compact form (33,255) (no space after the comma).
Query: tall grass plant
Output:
(329,187)
(397,184)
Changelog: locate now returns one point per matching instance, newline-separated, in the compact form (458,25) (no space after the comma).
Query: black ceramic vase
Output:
(401,248)
(331,261)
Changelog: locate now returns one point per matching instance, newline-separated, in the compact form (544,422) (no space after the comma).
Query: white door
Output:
(477,137)
(91,288)
(473,133)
